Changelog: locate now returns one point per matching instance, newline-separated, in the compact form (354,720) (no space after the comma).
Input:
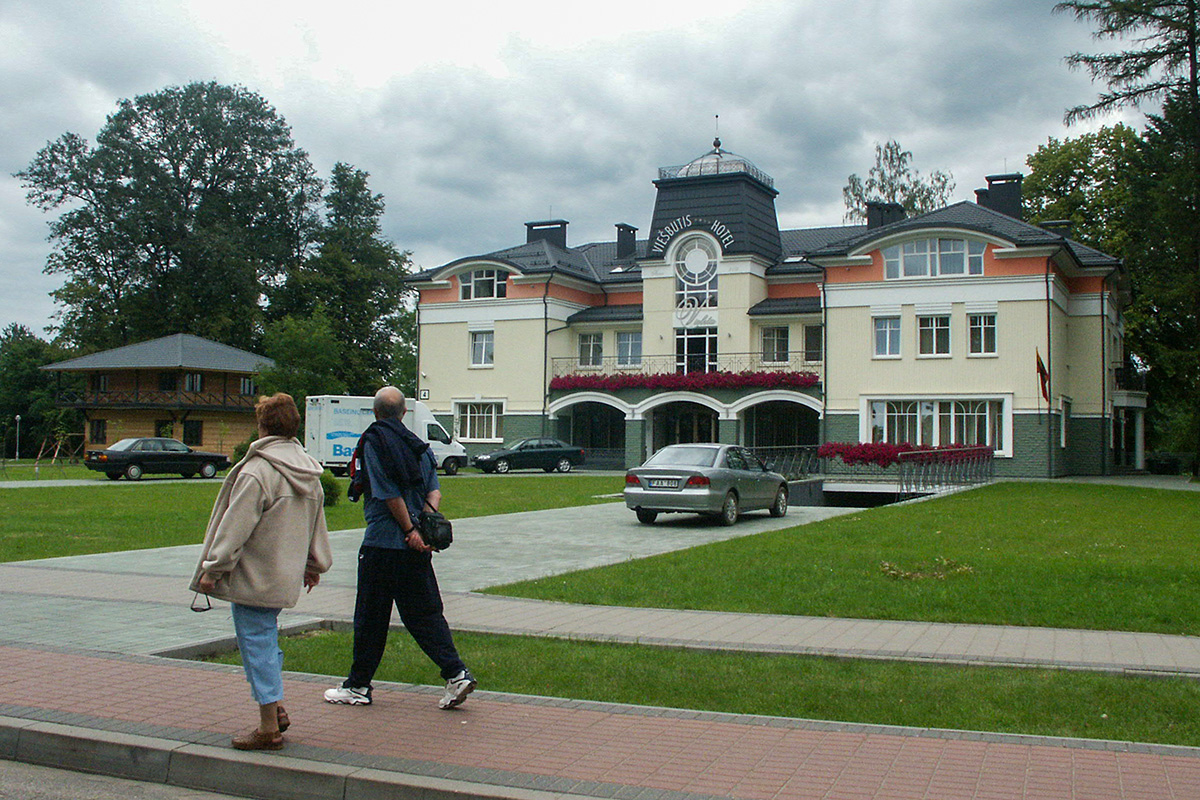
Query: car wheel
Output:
(729,509)
(563,465)
(779,507)
(646,515)
(113,476)
(451,466)
(133,472)
(502,465)
(207,470)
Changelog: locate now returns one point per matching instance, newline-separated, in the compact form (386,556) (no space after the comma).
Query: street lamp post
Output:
(17,453)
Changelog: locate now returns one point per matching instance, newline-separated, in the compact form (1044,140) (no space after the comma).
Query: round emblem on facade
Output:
(696,261)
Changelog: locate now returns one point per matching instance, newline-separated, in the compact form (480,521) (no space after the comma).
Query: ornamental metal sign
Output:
(686,222)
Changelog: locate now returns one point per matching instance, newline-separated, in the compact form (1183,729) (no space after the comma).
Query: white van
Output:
(333,423)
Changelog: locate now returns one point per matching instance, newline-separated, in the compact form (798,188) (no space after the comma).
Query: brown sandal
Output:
(257,740)
(282,716)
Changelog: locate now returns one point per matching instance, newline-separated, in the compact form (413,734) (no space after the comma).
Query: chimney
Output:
(553,231)
(1063,227)
(626,240)
(880,213)
(1003,194)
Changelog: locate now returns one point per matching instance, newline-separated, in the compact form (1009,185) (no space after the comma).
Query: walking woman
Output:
(265,539)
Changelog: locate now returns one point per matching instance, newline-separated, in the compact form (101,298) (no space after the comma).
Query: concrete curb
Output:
(216,769)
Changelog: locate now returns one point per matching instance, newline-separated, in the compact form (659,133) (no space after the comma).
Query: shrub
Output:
(239,449)
(333,489)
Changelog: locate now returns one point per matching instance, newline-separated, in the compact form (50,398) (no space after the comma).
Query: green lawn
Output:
(1065,555)
(1012,700)
(73,520)
(27,470)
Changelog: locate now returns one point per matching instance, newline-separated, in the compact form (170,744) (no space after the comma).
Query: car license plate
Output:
(663,483)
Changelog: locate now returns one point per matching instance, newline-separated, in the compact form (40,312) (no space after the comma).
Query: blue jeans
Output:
(257,633)
(404,577)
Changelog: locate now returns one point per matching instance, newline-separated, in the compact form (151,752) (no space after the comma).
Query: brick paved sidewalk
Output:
(160,719)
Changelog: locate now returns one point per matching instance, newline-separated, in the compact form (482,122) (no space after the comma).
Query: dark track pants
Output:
(403,577)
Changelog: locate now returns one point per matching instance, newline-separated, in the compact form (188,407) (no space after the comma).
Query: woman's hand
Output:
(311,579)
(207,582)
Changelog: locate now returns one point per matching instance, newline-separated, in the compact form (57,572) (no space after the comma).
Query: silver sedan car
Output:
(721,480)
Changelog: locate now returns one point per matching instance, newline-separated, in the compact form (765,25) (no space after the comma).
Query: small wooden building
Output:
(183,386)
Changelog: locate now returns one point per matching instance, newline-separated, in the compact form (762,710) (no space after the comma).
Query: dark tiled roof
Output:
(807,240)
(181,351)
(627,313)
(971,216)
(598,262)
(786,305)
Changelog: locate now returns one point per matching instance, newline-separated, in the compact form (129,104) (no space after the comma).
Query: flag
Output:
(1043,376)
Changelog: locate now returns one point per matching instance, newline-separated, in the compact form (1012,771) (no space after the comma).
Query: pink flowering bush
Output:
(692,381)
(884,455)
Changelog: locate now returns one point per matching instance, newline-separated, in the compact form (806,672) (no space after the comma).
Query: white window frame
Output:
(771,340)
(985,324)
(889,327)
(935,328)
(684,336)
(482,349)
(193,382)
(814,355)
(472,285)
(470,414)
(591,350)
(629,348)
(934,258)
(933,419)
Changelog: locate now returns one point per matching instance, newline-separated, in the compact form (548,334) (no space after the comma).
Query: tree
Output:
(1163,64)
(1091,181)
(357,279)
(307,357)
(28,390)
(192,199)
(893,180)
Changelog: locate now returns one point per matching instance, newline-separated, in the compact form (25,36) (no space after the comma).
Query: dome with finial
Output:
(717,162)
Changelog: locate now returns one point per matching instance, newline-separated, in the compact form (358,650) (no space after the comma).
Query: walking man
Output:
(394,564)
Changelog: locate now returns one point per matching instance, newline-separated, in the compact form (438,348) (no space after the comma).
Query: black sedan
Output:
(547,454)
(136,457)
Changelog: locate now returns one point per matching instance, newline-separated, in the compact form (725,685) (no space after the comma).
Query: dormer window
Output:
(483,284)
(931,258)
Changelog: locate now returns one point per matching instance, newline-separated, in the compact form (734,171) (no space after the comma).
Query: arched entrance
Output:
(682,423)
(599,429)
(780,423)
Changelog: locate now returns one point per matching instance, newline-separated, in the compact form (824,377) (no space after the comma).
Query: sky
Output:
(473,118)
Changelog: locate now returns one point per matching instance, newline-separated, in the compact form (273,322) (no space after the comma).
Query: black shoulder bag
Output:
(435,530)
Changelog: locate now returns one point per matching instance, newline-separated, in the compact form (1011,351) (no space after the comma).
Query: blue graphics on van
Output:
(341,435)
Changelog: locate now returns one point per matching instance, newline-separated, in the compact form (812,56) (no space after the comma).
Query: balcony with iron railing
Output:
(151,399)
(795,370)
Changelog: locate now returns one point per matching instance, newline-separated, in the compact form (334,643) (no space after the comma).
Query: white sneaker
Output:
(457,689)
(350,696)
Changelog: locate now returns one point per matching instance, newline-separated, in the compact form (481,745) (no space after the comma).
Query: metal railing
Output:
(930,470)
(1128,378)
(155,399)
(604,458)
(792,361)
(793,463)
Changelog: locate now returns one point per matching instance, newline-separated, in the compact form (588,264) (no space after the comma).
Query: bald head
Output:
(389,403)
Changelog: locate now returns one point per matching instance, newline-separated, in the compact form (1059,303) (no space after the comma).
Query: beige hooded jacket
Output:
(267,527)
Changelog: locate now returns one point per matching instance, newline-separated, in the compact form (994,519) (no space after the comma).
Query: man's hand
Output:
(207,582)
(415,542)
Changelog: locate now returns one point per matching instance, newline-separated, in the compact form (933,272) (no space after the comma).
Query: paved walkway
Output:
(84,683)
